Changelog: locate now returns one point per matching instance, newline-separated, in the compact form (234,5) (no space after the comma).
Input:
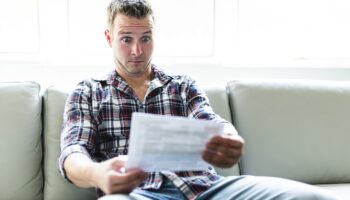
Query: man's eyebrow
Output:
(128,32)
(147,32)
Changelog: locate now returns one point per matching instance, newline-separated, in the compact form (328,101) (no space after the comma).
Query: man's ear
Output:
(108,37)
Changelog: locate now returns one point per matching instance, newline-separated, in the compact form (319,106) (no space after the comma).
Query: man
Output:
(98,115)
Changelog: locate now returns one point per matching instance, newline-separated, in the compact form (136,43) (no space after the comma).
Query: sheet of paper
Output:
(169,143)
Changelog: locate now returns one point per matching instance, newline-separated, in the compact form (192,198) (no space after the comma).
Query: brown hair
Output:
(131,8)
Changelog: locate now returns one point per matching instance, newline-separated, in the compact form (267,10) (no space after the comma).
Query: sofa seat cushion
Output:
(341,190)
(20,141)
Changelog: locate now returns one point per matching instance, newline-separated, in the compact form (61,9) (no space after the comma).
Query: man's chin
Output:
(137,69)
(136,72)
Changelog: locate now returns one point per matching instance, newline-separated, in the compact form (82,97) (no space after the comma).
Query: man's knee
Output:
(269,188)
(293,190)
(309,192)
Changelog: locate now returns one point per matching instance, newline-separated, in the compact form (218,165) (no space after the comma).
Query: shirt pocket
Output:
(115,117)
(167,103)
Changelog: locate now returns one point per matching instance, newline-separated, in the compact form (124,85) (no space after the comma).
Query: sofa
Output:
(293,129)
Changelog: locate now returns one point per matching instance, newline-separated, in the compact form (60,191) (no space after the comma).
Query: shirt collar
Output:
(159,78)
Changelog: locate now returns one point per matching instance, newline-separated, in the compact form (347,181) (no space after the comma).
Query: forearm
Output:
(80,169)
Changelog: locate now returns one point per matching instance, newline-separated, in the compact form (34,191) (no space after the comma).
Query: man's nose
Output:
(136,49)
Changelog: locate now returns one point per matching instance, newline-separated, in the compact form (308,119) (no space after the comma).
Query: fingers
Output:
(115,162)
(224,151)
(234,141)
(219,160)
(124,188)
(132,180)
(125,183)
(129,177)
(110,180)
(225,146)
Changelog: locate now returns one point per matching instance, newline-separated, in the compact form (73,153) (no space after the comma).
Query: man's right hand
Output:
(83,172)
(107,176)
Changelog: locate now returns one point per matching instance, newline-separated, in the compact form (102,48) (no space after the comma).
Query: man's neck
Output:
(137,79)
(138,83)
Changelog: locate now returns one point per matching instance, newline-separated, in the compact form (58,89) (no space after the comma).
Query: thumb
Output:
(116,163)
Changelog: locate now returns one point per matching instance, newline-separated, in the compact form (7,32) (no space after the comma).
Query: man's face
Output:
(132,42)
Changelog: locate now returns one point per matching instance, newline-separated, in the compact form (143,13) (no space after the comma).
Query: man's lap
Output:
(166,192)
(238,188)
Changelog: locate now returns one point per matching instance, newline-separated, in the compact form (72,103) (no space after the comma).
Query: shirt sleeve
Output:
(79,127)
(199,107)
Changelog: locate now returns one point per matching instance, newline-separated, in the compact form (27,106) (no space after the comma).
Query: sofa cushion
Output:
(294,129)
(20,143)
(219,101)
(55,185)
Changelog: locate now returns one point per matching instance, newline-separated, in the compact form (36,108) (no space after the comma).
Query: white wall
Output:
(58,42)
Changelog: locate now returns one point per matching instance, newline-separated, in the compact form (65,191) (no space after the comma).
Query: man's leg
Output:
(264,188)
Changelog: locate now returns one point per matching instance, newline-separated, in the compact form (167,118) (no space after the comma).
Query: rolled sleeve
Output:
(199,107)
(79,128)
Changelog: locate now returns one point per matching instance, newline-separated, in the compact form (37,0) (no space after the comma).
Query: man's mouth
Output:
(136,61)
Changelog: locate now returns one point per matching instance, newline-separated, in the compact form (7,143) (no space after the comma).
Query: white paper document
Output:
(159,142)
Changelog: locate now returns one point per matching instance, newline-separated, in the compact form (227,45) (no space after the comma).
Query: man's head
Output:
(130,35)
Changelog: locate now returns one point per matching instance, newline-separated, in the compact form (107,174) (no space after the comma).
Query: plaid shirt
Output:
(98,114)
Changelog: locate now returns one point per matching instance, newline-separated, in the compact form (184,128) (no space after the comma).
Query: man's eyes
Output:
(146,38)
(126,39)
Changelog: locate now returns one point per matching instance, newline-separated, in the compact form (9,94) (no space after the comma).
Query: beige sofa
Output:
(293,129)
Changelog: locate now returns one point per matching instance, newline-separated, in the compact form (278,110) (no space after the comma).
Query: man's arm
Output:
(78,141)
(222,150)
(83,172)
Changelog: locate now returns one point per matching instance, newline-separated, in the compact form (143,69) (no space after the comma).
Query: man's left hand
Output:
(224,150)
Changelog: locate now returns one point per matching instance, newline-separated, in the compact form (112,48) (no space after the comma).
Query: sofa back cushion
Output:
(56,187)
(20,141)
(294,129)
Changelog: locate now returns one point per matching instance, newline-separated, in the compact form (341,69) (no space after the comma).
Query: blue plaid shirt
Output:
(98,114)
